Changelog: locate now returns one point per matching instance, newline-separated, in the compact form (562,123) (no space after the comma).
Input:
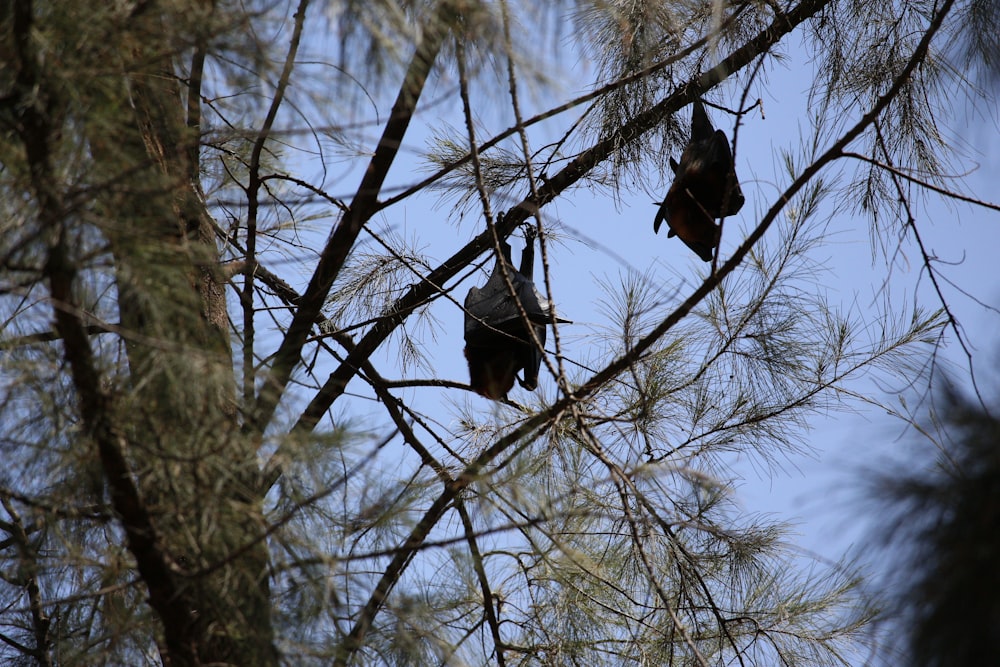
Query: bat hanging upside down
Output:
(705,187)
(497,341)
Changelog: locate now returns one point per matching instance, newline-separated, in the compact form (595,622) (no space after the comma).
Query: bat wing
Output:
(493,347)
(705,187)
(718,151)
(489,307)
(706,172)
(732,200)
(531,359)
(703,250)
(662,214)
(498,340)
(709,154)
(476,309)
(485,309)
(531,300)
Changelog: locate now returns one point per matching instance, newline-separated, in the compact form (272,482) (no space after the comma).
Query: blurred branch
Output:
(49,336)
(170,602)
(28,576)
(484,582)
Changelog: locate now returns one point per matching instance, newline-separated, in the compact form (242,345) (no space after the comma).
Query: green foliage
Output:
(225,404)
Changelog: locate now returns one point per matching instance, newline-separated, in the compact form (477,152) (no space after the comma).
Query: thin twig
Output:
(484,582)
(362,207)
(252,190)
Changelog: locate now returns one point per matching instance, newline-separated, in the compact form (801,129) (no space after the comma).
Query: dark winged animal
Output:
(705,187)
(498,344)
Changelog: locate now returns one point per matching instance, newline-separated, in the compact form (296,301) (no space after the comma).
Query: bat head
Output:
(702,249)
(689,222)
(492,370)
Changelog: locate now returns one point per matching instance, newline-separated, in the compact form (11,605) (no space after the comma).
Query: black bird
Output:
(705,187)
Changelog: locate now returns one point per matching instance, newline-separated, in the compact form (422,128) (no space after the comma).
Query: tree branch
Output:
(169,601)
(37,131)
(28,572)
(252,190)
(361,209)
(484,582)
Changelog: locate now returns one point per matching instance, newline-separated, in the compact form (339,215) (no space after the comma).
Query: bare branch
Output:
(361,209)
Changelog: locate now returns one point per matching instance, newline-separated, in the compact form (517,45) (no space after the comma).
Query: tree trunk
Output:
(195,471)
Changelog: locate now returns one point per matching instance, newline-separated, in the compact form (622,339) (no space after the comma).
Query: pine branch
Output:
(360,211)
(170,602)
(252,190)
(41,623)
(484,582)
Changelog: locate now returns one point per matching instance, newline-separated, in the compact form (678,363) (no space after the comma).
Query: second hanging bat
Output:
(705,187)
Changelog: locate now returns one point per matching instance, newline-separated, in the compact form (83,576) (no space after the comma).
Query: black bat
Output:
(705,187)
(497,342)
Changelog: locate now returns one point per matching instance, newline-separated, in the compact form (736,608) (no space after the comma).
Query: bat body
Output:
(497,342)
(705,187)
